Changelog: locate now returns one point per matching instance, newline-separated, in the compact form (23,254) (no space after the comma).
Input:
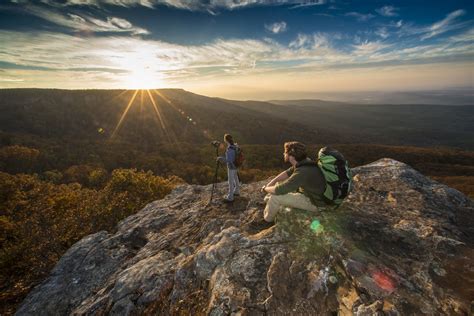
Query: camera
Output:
(215,143)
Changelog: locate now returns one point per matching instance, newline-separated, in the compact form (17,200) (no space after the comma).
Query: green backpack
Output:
(337,173)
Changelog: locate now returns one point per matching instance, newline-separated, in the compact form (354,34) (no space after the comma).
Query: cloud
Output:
(382,32)
(467,36)
(83,22)
(324,14)
(311,41)
(276,28)
(300,41)
(449,23)
(387,10)
(11,80)
(121,23)
(444,25)
(108,62)
(367,49)
(210,6)
(309,4)
(360,17)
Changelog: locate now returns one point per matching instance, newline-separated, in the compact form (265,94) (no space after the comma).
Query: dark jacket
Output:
(306,178)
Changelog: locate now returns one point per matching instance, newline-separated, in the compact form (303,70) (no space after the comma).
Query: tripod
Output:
(215,175)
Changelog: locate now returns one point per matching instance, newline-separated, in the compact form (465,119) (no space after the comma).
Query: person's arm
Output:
(279,178)
(291,184)
(269,187)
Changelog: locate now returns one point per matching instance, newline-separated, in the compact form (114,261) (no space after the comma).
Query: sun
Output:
(142,70)
(143,78)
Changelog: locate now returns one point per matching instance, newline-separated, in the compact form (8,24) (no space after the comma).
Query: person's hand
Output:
(263,188)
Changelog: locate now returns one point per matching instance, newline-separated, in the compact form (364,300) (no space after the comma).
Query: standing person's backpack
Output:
(239,156)
(337,174)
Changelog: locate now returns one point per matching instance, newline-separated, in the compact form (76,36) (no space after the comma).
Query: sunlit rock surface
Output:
(401,244)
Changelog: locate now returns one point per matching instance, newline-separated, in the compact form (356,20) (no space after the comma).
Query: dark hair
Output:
(228,138)
(296,149)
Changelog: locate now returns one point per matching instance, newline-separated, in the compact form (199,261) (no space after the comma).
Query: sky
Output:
(249,49)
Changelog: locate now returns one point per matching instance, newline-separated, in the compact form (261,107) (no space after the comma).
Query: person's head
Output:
(228,139)
(295,150)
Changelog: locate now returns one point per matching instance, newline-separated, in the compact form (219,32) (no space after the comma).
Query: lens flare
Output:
(316,226)
(124,113)
(383,281)
(157,104)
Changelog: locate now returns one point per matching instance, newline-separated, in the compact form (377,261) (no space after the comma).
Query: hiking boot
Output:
(226,200)
(259,223)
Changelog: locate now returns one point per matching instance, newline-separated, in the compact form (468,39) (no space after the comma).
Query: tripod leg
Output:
(215,182)
(215,176)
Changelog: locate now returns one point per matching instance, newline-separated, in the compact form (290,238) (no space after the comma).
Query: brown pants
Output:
(295,200)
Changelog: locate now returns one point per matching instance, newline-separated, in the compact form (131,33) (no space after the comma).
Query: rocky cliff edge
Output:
(401,244)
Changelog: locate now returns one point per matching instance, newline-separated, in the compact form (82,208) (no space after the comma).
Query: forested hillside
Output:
(390,124)
(152,117)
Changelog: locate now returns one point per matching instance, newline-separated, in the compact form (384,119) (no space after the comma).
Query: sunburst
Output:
(158,110)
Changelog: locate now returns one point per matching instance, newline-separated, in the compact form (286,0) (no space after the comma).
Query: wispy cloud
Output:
(300,41)
(210,6)
(367,49)
(324,14)
(309,4)
(276,28)
(112,58)
(360,16)
(449,23)
(444,25)
(382,32)
(310,41)
(83,22)
(467,36)
(119,56)
(387,10)
(11,80)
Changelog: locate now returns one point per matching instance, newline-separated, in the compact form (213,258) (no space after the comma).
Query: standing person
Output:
(301,186)
(232,171)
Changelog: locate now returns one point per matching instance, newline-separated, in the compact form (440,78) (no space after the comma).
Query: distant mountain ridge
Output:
(453,97)
(182,116)
(179,116)
(391,124)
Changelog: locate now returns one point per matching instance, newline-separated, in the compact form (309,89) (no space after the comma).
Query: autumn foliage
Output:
(40,220)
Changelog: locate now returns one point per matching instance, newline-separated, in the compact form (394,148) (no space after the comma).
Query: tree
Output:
(18,159)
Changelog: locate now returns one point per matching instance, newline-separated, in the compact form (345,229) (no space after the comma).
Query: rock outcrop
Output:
(401,244)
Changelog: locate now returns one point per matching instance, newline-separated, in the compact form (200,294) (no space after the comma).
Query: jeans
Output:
(234,185)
